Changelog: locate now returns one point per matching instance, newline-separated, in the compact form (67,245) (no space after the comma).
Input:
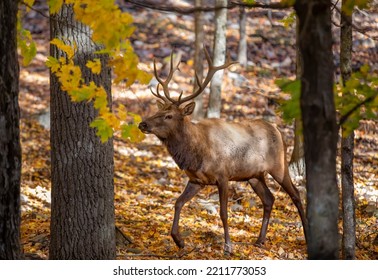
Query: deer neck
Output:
(185,147)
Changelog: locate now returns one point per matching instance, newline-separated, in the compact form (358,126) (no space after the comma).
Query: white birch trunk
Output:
(219,57)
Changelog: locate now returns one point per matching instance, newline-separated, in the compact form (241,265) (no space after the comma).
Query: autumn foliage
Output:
(147,181)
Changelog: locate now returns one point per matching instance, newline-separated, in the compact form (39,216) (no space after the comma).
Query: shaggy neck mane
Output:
(185,146)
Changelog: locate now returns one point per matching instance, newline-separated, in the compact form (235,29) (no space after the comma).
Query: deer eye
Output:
(168,117)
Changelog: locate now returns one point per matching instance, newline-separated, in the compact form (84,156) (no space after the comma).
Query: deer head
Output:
(172,111)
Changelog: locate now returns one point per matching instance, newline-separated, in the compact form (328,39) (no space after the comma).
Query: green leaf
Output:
(101,102)
(289,20)
(132,133)
(81,94)
(291,108)
(53,64)
(28,52)
(104,131)
(136,118)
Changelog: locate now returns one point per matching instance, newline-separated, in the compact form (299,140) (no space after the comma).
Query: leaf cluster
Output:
(357,99)
(110,29)
(290,108)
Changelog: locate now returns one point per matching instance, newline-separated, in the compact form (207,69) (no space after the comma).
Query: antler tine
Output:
(158,95)
(209,76)
(179,99)
(167,97)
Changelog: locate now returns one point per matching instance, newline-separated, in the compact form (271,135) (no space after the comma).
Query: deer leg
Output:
(267,199)
(223,200)
(190,191)
(293,192)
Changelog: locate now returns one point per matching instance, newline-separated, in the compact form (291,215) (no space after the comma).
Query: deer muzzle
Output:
(143,126)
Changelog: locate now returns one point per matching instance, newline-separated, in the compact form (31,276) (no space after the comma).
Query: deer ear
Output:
(188,109)
(160,104)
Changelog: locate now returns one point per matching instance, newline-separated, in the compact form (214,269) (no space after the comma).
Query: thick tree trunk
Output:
(215,101)
(297,161)
(199,112)
(347,147)
(242,50)
(10,148)
(319,127)
(82,208)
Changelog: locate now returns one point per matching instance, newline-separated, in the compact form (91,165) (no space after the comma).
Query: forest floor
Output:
(147,181)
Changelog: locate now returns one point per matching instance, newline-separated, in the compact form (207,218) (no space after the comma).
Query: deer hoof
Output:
(179,242)
(227,249)
(259,243)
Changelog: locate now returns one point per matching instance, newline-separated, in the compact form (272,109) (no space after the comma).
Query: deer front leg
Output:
(223,200)
(190,191)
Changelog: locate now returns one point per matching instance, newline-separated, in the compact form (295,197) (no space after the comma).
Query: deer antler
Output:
(167,97)
(201,85)
(209,76)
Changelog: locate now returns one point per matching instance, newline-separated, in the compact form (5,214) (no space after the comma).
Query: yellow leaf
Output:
(53,64)
(69,50)
(122,113)
(55,6)
(29,3)
(94,65)
(143,77)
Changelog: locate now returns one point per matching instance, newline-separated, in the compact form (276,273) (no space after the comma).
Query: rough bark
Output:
(199,112)
(82,208)
(297,161)
(219,57)
(10,148)
(347,147)
(242,49)
(319,127)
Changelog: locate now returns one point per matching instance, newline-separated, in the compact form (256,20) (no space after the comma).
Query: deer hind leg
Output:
(223,201)
(267,199)
(293,192)
(190,191)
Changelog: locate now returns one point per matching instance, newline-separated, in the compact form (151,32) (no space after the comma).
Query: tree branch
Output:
(345,117)
(355,27)
(192,10)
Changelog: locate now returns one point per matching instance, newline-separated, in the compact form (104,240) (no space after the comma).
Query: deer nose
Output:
(143,126)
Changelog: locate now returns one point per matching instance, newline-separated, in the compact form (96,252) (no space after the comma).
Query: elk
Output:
(214,152)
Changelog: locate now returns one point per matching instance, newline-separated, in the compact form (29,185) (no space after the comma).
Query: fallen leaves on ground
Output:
(147,181)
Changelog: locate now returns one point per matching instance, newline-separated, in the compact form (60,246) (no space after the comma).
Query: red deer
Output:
(214,152)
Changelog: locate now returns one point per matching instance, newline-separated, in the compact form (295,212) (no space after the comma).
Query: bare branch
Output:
(354,26)
(192,10)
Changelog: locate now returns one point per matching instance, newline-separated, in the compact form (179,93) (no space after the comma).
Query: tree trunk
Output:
(347,147)
(297,161)
(82,208)
(219,57)
(10,148)
(242,50)
(319,127)
(199,112)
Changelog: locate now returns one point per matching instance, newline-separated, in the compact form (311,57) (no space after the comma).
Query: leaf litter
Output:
(147,181)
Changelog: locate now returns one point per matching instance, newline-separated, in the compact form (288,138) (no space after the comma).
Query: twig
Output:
(355,27)
(345,117)
(192,10)
(52,18)
(128,239)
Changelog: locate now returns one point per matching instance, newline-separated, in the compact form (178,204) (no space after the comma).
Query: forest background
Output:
(147,181)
